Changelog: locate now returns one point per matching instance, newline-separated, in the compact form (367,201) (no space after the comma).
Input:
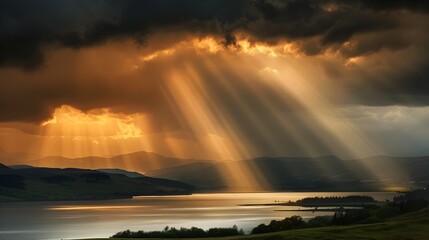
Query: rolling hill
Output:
(3,166)
(327,173)
(120,171)
(37,184)
(412,226)
(307,174)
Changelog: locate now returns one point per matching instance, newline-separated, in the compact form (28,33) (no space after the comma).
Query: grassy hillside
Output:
(35,184)
(408,226)
(411,226)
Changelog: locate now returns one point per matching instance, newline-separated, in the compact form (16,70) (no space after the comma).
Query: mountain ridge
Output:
(136,161)
(45,184)
(326,173)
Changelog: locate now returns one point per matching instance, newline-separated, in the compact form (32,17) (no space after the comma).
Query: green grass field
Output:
(410,226)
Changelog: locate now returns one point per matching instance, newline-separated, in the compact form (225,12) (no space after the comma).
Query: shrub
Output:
(386,212)
(350,216)
(320,221)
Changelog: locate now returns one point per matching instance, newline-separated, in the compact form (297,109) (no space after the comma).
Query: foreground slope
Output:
(410,226)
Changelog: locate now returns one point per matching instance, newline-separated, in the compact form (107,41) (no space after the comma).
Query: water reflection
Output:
(75,208)
(84,219)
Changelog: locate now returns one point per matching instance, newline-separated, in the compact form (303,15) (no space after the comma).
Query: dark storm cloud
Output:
(73,78)
(30,29)
(416,5)
(333,22)
(410,88)
(26,27)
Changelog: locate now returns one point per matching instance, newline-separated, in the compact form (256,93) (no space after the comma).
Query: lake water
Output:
(85,219)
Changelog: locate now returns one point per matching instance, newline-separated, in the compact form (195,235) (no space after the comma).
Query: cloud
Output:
(399,131)
(251,66)
(29,29)
(127,78)
(31,32)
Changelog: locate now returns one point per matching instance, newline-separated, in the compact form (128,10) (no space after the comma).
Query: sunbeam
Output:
(214,118)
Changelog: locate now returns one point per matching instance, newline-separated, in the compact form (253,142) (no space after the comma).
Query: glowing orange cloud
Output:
(171,100)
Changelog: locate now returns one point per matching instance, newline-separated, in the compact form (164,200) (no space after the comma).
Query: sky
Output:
(215,79)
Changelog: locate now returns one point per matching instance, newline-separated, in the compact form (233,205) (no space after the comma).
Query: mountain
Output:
(41,184)
(203,175)
(120,171)
(327,173)
(138,161)
(20,166)
(3,166)
(16,158)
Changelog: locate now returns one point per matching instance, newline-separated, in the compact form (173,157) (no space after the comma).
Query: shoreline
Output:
(198,192)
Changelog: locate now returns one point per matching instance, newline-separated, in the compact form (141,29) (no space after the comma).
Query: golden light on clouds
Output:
(92,133)
(213,45)
(200,45)
(68,121)
(224,81)
(198,98)
(354,60)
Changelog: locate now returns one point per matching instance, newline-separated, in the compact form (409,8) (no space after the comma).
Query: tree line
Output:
(192,232)
(366,214)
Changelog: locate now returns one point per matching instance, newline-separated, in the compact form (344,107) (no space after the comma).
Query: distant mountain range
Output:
(42,184)
(327,173)
(137,161)
(308,174)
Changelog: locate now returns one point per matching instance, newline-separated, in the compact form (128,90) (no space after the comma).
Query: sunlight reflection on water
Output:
(85,219)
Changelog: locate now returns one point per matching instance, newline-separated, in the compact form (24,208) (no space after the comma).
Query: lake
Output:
(85,219)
